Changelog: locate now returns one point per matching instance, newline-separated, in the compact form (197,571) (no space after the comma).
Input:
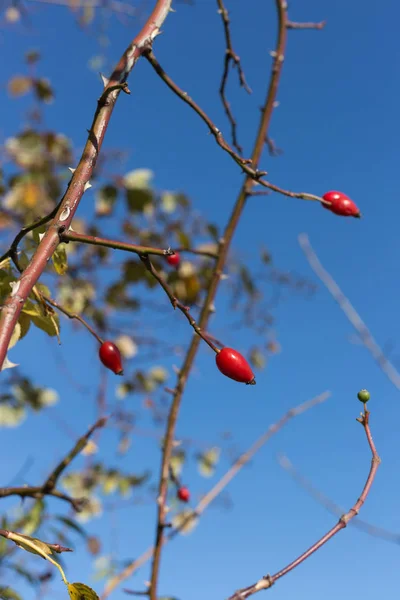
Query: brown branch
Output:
(72,236)
(175,302)
(230,57)
(49,486)
(223,248)
(333,508)
(81,175)
(188,100)
(249,166)
(217,488)
(366,336)
(268,581)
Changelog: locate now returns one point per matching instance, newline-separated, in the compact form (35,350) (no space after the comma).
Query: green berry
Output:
(363,396)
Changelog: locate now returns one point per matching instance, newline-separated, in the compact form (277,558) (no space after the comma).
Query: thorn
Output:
(172,9)
(87,186)
(105,80)
(71,169)
(41,236)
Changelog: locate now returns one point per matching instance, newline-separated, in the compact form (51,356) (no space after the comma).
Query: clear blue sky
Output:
(338,125)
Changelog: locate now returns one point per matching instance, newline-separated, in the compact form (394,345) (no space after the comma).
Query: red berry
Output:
(174,259)
(183,494)
(340,204)
(234,365)
(110,356)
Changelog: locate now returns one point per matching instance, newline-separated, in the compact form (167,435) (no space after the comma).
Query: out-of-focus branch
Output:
(113,5)
(217,489)
(49,486)
(366,336)
(294,25)
(268,581)
(230,57)
(80,181)
(334,508)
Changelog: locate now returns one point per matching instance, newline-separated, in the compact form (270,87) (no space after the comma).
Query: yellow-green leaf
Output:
(207,462)
(60,260)
(80,591)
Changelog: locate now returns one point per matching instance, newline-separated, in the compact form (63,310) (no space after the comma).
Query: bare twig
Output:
(268,581)
(365,335)
(72,236)
(81,175)
(334,508)
(230,57)
(223,248)
(175,302)
(249,166)
(217,489)
(49,486)
(72,315)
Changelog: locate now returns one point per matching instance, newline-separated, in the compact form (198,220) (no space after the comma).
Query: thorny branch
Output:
(333,508)
(268,581)
(365,335)
(230,57)
(223,248)
(49,486)
(217,489)
(81,175)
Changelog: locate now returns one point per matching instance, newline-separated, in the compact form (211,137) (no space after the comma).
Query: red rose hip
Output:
(174,259)
(110,356)
(183,494)
(233,365)
(340,204)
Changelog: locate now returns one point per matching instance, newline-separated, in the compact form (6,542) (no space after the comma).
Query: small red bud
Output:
(183,494)
(110,356)
(174,259)
(233,365)
(340,204)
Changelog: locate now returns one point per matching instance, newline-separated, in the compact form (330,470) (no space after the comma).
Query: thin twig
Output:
(80,181)
(49,486)
(72,315)
(365,335)
(230,57)
(332,507)
(249,166)
(72,236)
(216,489)
(268,581)
(175,302)
(223,248)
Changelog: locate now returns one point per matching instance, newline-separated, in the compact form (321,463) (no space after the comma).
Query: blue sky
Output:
(338,125)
